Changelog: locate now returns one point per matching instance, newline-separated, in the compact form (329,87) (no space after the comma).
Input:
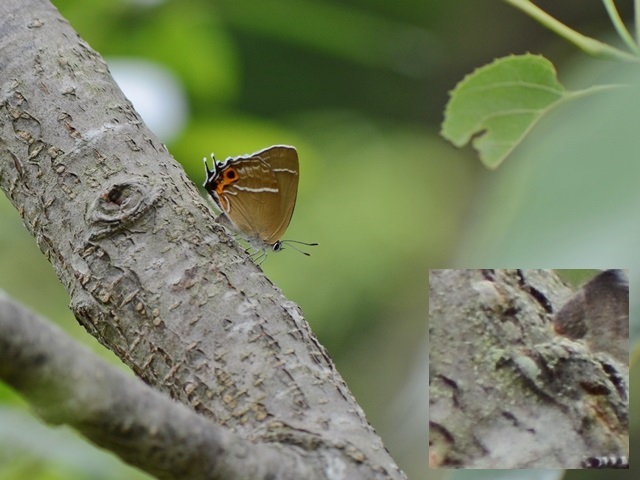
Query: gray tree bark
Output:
(153,278)
(66,384)
(505,391)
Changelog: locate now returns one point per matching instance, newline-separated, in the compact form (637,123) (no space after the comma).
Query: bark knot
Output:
(119,206)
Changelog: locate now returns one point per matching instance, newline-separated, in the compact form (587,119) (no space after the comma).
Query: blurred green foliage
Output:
(576,277)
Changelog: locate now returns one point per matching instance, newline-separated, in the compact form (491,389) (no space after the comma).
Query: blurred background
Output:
(359,87)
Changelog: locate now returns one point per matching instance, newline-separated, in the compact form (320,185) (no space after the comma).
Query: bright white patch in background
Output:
(156,94)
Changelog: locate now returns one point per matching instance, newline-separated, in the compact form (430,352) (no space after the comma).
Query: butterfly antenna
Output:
(206,167)
(290,242)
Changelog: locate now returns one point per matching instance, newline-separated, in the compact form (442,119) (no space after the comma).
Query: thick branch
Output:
(148,271)
(66,383)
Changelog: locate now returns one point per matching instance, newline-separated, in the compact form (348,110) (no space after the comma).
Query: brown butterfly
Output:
(598,314)
(257,194)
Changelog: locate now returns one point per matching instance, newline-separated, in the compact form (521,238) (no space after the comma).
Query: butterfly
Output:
(257,194)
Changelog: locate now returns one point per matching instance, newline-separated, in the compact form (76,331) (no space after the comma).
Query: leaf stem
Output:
(588,45)
(620,27)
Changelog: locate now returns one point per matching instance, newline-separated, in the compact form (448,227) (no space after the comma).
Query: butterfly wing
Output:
(258,193)
(283,161)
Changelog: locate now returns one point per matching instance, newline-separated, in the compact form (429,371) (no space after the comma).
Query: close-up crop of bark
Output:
(506,390)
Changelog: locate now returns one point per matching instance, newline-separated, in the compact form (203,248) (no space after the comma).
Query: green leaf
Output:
(499,103)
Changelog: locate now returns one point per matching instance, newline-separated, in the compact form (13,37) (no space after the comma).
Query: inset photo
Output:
(528,369)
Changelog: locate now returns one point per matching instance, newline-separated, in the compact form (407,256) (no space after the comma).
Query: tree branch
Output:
(66,384)
(504,390)
(149,273)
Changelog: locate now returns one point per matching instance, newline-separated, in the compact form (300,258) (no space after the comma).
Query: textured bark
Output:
(65,383)
(505,391)
(148,272)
